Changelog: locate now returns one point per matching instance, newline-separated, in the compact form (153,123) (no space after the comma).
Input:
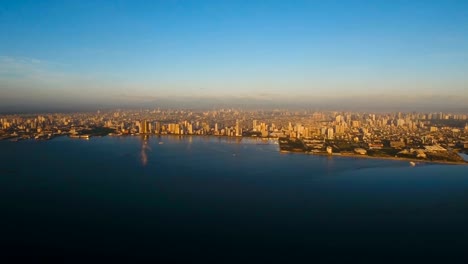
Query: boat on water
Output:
(412,163)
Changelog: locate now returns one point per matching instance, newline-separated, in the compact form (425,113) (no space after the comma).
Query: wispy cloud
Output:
(35,80)
(34,74)
(25,68)
(24,79)
(14,66)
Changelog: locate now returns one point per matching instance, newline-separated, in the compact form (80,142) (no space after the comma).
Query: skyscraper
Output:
(330,133)
(144,127)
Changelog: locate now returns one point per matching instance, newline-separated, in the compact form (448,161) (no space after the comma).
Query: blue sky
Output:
(99,52)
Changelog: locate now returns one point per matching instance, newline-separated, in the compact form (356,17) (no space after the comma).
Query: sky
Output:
(67,54)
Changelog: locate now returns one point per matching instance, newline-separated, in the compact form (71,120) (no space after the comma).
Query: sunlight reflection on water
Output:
(144,150)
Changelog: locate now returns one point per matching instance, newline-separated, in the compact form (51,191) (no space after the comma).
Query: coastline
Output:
(346,155)
(379,158)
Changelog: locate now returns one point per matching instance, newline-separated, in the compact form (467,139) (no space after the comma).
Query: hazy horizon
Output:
(189,103)
(382,55)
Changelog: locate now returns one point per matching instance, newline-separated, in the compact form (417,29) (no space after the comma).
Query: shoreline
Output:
(379,158)
(280,150)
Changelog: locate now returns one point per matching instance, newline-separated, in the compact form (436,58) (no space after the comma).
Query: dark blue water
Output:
(224,199)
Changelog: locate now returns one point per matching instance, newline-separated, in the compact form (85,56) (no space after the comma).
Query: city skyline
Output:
(429,137)
(351,55)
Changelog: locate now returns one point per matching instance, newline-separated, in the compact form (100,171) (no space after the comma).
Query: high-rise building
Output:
(339,129)
(400,122)
(330,134)
(189,128)
(338,118)
(156,127)
(144,127)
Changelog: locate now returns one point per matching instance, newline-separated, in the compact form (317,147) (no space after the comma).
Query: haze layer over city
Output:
(331,55)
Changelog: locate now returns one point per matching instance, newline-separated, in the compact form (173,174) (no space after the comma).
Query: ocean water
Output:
(224,200)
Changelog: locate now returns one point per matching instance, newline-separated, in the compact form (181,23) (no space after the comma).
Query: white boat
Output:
(412,163)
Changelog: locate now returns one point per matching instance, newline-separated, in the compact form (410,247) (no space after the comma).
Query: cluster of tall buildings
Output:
(372,128)
(176,128)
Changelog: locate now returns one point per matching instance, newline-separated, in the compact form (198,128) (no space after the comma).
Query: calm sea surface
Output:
(225,199)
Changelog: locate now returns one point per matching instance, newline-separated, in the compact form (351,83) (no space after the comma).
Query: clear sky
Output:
(135,52)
